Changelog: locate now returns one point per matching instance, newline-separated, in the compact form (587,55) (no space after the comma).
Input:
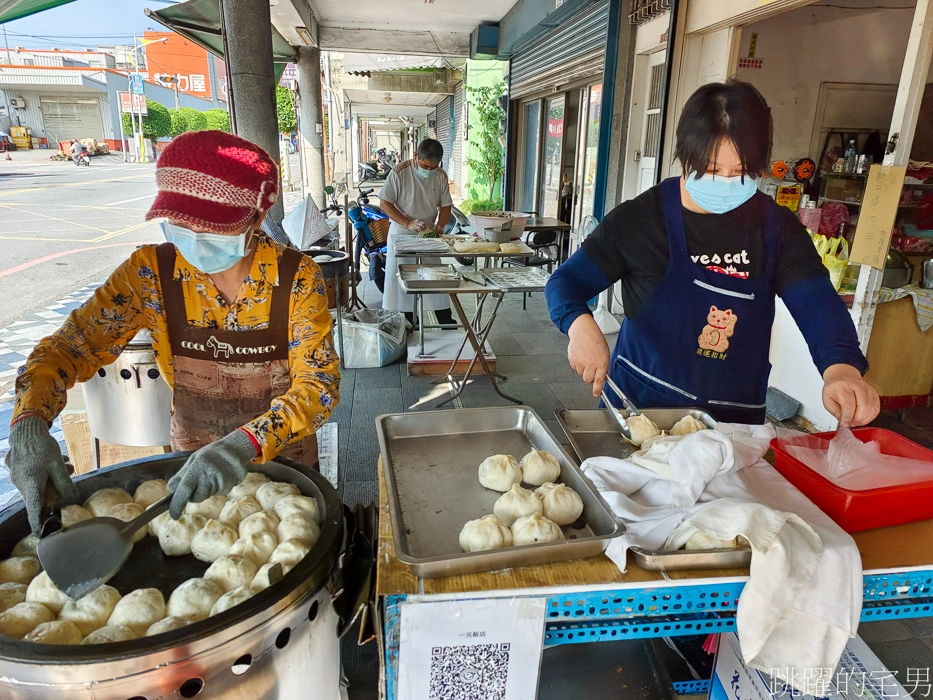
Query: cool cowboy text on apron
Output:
(224,379)
(704,338)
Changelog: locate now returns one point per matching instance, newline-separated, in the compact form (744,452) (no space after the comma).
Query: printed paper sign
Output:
(877,215)
(488,649)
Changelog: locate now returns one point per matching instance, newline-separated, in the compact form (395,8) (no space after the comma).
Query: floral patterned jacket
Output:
(131,300)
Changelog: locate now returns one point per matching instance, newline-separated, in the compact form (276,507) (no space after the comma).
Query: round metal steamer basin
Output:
(280,644)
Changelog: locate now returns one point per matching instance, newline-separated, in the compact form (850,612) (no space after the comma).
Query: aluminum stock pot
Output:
(281,644)
(128,401)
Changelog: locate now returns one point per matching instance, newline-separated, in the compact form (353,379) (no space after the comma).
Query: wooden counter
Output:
(899,355)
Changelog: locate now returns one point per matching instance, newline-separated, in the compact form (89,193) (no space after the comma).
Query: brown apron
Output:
(224,379)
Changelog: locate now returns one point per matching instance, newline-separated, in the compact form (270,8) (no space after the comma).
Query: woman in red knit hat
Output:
(240,327)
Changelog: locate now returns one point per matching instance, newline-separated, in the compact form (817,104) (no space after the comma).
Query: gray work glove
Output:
(215,468)
(34,460)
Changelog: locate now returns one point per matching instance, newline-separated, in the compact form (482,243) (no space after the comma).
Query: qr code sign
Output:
(469,672)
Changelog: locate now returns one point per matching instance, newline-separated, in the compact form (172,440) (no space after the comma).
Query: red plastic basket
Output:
(855,511)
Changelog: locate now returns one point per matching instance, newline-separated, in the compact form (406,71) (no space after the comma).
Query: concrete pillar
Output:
(621,111)
(311,123)
(251,77)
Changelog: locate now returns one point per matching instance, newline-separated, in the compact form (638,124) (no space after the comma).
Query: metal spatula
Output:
(630,408)
(90,552)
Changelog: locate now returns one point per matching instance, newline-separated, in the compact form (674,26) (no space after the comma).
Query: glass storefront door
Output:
(549,190)
(530,147)
(587,145)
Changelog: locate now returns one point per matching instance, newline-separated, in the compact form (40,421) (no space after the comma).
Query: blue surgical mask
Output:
(719,194)
(423,173)
(209,252)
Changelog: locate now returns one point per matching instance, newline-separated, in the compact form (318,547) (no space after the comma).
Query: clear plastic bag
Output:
(852,464)
(374,337)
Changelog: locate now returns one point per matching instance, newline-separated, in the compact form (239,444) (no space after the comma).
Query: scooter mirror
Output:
(328,190)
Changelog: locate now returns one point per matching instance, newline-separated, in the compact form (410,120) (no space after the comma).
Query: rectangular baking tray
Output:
(594,433)
(430,462)
(413,278)
(516,279)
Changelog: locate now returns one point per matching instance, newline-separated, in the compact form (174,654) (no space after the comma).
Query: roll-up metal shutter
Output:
(573,51)
(443,130)
(456,153)
(71,117)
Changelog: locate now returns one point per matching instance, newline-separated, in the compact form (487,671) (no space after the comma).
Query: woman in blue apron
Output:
(701,259)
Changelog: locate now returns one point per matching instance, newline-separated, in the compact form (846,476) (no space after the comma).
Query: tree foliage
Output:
(218,119)
(285,110)
(194,119)
(487,134)
(156,124)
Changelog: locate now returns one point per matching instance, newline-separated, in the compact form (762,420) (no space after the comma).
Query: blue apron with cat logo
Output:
(703,340)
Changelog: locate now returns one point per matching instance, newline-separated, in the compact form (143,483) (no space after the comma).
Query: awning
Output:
(17,9)
(372,62)
(199,21)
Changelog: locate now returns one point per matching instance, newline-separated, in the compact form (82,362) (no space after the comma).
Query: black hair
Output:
(733,111)
(431,150)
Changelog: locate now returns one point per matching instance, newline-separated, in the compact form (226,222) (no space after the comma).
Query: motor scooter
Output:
(83,158)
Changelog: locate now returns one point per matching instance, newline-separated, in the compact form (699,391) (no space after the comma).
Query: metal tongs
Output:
(630,408)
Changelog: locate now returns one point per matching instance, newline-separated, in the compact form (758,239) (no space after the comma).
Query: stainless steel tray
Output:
(594,433)
(516,279)
(430,461)
(415,277)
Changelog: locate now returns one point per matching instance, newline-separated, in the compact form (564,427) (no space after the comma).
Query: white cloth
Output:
(393,298)
(804,595)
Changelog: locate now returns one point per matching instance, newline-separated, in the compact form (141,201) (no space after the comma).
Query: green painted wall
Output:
(478,74)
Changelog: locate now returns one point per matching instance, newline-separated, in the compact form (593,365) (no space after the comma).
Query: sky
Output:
(84,24)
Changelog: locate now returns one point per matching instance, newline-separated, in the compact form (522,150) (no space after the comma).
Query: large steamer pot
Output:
(336,271)
(280,644)
(128,401)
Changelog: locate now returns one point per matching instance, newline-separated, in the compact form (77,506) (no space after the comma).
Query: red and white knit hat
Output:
(214,180)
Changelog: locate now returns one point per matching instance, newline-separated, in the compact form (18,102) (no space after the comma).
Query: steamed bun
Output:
(139,610)
(249,486)
(55,632)
(150,491)
(127,512)
(538,467)
(26,547)
(270,494)
(42,590)
(261,580)
(516,503)
(499,472)
(74,514)
(23,618)
(561,504)
(484,533)
(687,425)
(11,594)
(209,507)
(109,635)
(194,599)
(298,505)
(641,428)
(258,522)
(237,509)
(231,599)
(289,553)
(91,611)
(175,535)
(257,546)
(298,527)
(535,528)
(167,624)
(19,569)
(231,571)
(213,541)
(103,500)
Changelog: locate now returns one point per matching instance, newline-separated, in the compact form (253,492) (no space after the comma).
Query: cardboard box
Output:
(860,676)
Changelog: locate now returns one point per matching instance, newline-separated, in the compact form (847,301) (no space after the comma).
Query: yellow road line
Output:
(73,184)
(40,238)
(114,234)
(66,221)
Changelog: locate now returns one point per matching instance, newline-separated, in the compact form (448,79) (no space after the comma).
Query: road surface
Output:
(63,227)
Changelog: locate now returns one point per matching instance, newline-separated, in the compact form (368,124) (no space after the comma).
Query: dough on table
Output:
(513,248)
(273,492)
(19,569)
(258,522)
(91,612)
(231,599)
(499,472)
(26,547)
(194,599)
(237,509)
(23,618)
(484,533)
(55,632)
(476,247)
(289,553)
(75,514)
(11,594)
(150,491)
(298,505)
(298,527)
(109,635)
(258,546)
(231,571)
(641,427)
(139,610)
(249,486)
(516,503)
(261,579)
(103,500)
(560,503)
(167,624)
(42,590)
(209,507)
(213,541)
(539,467)
(175,535)
(700,540)
(127,512)
(535,528)
(687,425)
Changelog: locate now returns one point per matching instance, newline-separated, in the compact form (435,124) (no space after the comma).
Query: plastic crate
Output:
(855,511)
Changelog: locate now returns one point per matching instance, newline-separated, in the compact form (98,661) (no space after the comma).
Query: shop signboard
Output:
(136,83)
(877,215)
(136,105)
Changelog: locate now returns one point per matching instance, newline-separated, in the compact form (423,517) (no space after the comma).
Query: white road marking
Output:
(126,201)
